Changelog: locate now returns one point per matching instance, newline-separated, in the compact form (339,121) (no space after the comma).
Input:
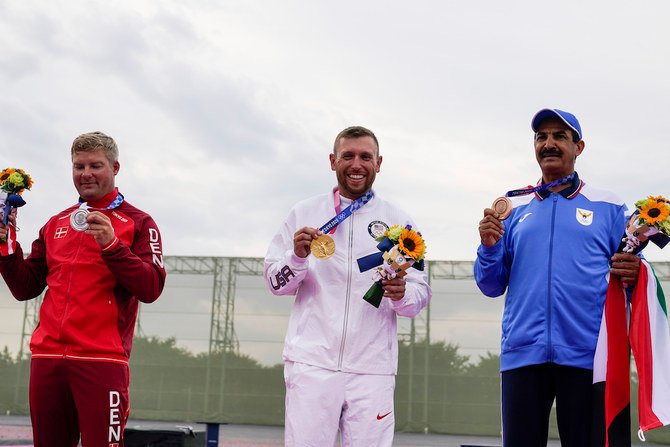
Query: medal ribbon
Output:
(340,217)
(118,200)
(524,191)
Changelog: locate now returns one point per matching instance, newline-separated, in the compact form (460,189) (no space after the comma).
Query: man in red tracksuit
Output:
(99,259)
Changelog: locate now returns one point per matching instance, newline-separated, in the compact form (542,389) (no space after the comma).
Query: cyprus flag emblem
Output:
(584,217)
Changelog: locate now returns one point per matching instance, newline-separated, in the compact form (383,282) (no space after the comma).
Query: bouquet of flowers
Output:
(12,184)
(649,222)
(399,249)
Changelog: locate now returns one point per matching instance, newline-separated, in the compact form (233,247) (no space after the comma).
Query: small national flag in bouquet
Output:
(400,247)
(641,322)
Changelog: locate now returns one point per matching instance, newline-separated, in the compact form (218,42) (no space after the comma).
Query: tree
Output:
(442,357)
(488,366)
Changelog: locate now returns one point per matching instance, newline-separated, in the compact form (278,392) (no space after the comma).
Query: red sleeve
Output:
(26,278)
(139,268)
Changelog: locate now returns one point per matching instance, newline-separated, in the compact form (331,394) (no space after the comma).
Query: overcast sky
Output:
(225,111)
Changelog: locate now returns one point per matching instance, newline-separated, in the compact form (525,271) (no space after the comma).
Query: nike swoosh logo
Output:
(524,217)
(380,417)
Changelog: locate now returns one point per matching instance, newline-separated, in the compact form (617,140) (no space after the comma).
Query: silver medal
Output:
(78,219)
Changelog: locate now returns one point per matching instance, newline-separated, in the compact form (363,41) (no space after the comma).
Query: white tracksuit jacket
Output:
(331,326)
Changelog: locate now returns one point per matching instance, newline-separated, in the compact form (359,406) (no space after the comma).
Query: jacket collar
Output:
(569,193)
(344,202)
(104,201)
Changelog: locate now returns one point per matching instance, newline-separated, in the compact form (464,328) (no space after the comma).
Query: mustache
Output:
(550,152)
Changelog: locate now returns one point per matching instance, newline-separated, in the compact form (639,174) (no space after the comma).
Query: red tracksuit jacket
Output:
(90,307)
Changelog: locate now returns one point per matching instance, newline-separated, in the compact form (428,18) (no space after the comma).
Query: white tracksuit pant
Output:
(321,401)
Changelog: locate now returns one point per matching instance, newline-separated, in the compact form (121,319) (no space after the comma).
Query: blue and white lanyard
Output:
(118,200)
(523,192)
(340,217)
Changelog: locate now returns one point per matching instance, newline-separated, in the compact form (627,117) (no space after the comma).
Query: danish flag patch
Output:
(60,232)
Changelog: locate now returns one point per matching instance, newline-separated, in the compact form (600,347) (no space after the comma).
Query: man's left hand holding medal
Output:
(93,223)
(100,227)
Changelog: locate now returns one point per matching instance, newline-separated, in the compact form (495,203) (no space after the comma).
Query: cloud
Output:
(225,113)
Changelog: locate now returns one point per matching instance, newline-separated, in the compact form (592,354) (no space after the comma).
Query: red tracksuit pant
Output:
(73,397)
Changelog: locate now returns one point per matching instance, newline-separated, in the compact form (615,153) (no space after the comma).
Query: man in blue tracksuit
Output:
(553,255)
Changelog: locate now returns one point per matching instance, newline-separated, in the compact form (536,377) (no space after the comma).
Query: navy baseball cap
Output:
(568,118)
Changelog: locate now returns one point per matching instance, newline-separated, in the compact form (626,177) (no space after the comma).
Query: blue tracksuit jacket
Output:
(554,261)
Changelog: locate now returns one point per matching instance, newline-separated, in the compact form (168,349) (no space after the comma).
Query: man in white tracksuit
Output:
(340,352)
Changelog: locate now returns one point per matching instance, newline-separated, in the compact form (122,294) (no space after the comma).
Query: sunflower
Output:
(4,175)
(412,244)
(655,211)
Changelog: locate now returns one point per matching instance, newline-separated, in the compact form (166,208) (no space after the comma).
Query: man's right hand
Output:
(3,228)
(491,229)
(302,239)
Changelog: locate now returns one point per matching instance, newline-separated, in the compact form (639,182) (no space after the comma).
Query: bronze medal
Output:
(322,247)
(502,206)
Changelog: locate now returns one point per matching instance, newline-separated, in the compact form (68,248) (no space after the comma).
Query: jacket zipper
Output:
(550,357)
(347,297)
(67,300)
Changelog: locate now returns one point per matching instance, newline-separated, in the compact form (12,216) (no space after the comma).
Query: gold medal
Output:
(502,206)
(322,247)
